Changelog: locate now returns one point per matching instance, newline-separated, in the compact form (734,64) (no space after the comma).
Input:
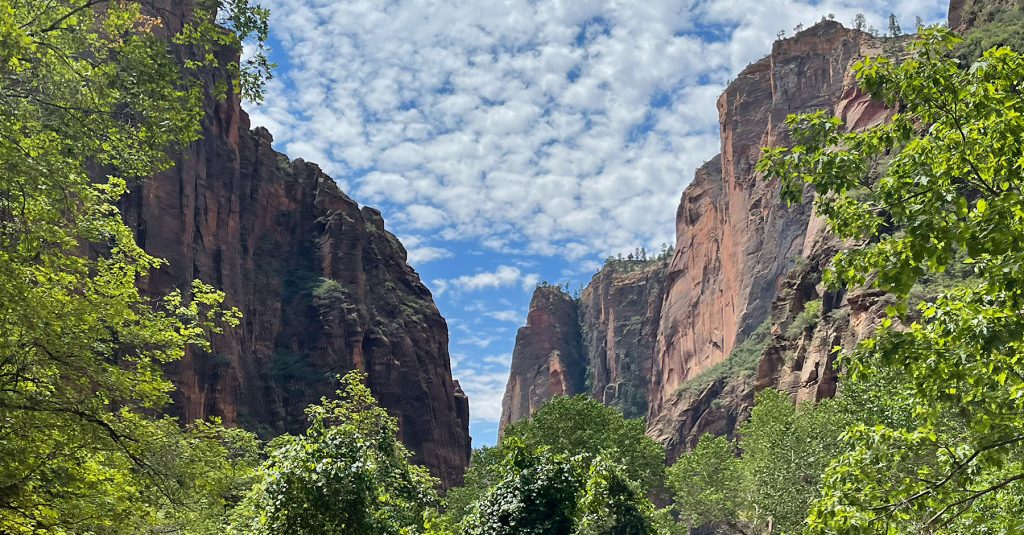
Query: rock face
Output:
(603,341)
(735,239)
(547,359)
(618,315)
(322,286)
(736,245)
(966,15)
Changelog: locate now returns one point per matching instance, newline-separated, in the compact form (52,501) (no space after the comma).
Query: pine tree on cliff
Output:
(859,22)
(894,26)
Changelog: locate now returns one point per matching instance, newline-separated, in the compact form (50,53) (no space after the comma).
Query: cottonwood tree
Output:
(764,482)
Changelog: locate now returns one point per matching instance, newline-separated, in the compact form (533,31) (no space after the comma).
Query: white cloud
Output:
(422,255)
(508,315)
(536,126)
(478,341)
(502,276)
(483,379)
(440,286)
(485,390)
(424,217)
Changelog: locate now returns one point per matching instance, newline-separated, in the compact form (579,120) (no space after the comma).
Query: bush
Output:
(809,317)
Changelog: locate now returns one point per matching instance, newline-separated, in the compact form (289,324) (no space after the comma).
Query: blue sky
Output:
(510,142)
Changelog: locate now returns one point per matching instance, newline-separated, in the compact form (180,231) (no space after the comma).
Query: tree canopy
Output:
(347,475)
(90,99)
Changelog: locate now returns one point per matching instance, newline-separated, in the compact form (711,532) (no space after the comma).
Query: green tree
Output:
(90,98)
(859,22)
(539,492)
(942,176)
(708,485)
(574,427)
(348,474)
(785,450)
(581,425)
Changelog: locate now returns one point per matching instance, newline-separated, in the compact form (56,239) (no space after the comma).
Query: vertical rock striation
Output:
(736,244)
(322,286)
(547,359)
(604,341)
(735,239)
(618,315)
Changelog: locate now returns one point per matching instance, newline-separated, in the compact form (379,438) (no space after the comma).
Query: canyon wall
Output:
(732,270)
(323,288)
(550,357)
(618,314)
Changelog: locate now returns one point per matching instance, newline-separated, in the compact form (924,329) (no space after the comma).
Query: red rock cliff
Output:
(547,359)
(322,286)
(735,239)
(735,244)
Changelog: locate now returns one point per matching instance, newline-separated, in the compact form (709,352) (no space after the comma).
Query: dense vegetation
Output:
(91,98)
(927,435)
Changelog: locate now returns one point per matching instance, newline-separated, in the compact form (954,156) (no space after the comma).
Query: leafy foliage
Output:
(953,184)
(90,98)
(639,259)
(553,494)
(577,430)
(581,426)
(348,474)
(808,317)
(993,24)
(785,450)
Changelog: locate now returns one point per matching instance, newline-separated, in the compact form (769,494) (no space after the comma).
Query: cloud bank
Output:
(552,127)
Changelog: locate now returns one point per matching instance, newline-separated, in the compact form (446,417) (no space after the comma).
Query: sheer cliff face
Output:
(547,359)
(736,243)
(600,343)
(322,286)
(735,240)
(618,315)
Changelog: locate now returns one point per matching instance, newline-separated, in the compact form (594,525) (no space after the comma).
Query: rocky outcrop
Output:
(618,314)
(966,15)
(735,239)
(322,285)
(547,359)
(604,340)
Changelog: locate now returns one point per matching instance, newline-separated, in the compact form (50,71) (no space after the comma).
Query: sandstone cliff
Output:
(619,312)
(735,244)
(550,360)
(322,286)
(603,341)
(735,239)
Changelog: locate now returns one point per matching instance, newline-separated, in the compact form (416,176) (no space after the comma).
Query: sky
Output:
(518,141)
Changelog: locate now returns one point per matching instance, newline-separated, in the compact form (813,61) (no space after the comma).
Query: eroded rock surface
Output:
(735,239)
(547,359)
(322,285)
(619,314)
